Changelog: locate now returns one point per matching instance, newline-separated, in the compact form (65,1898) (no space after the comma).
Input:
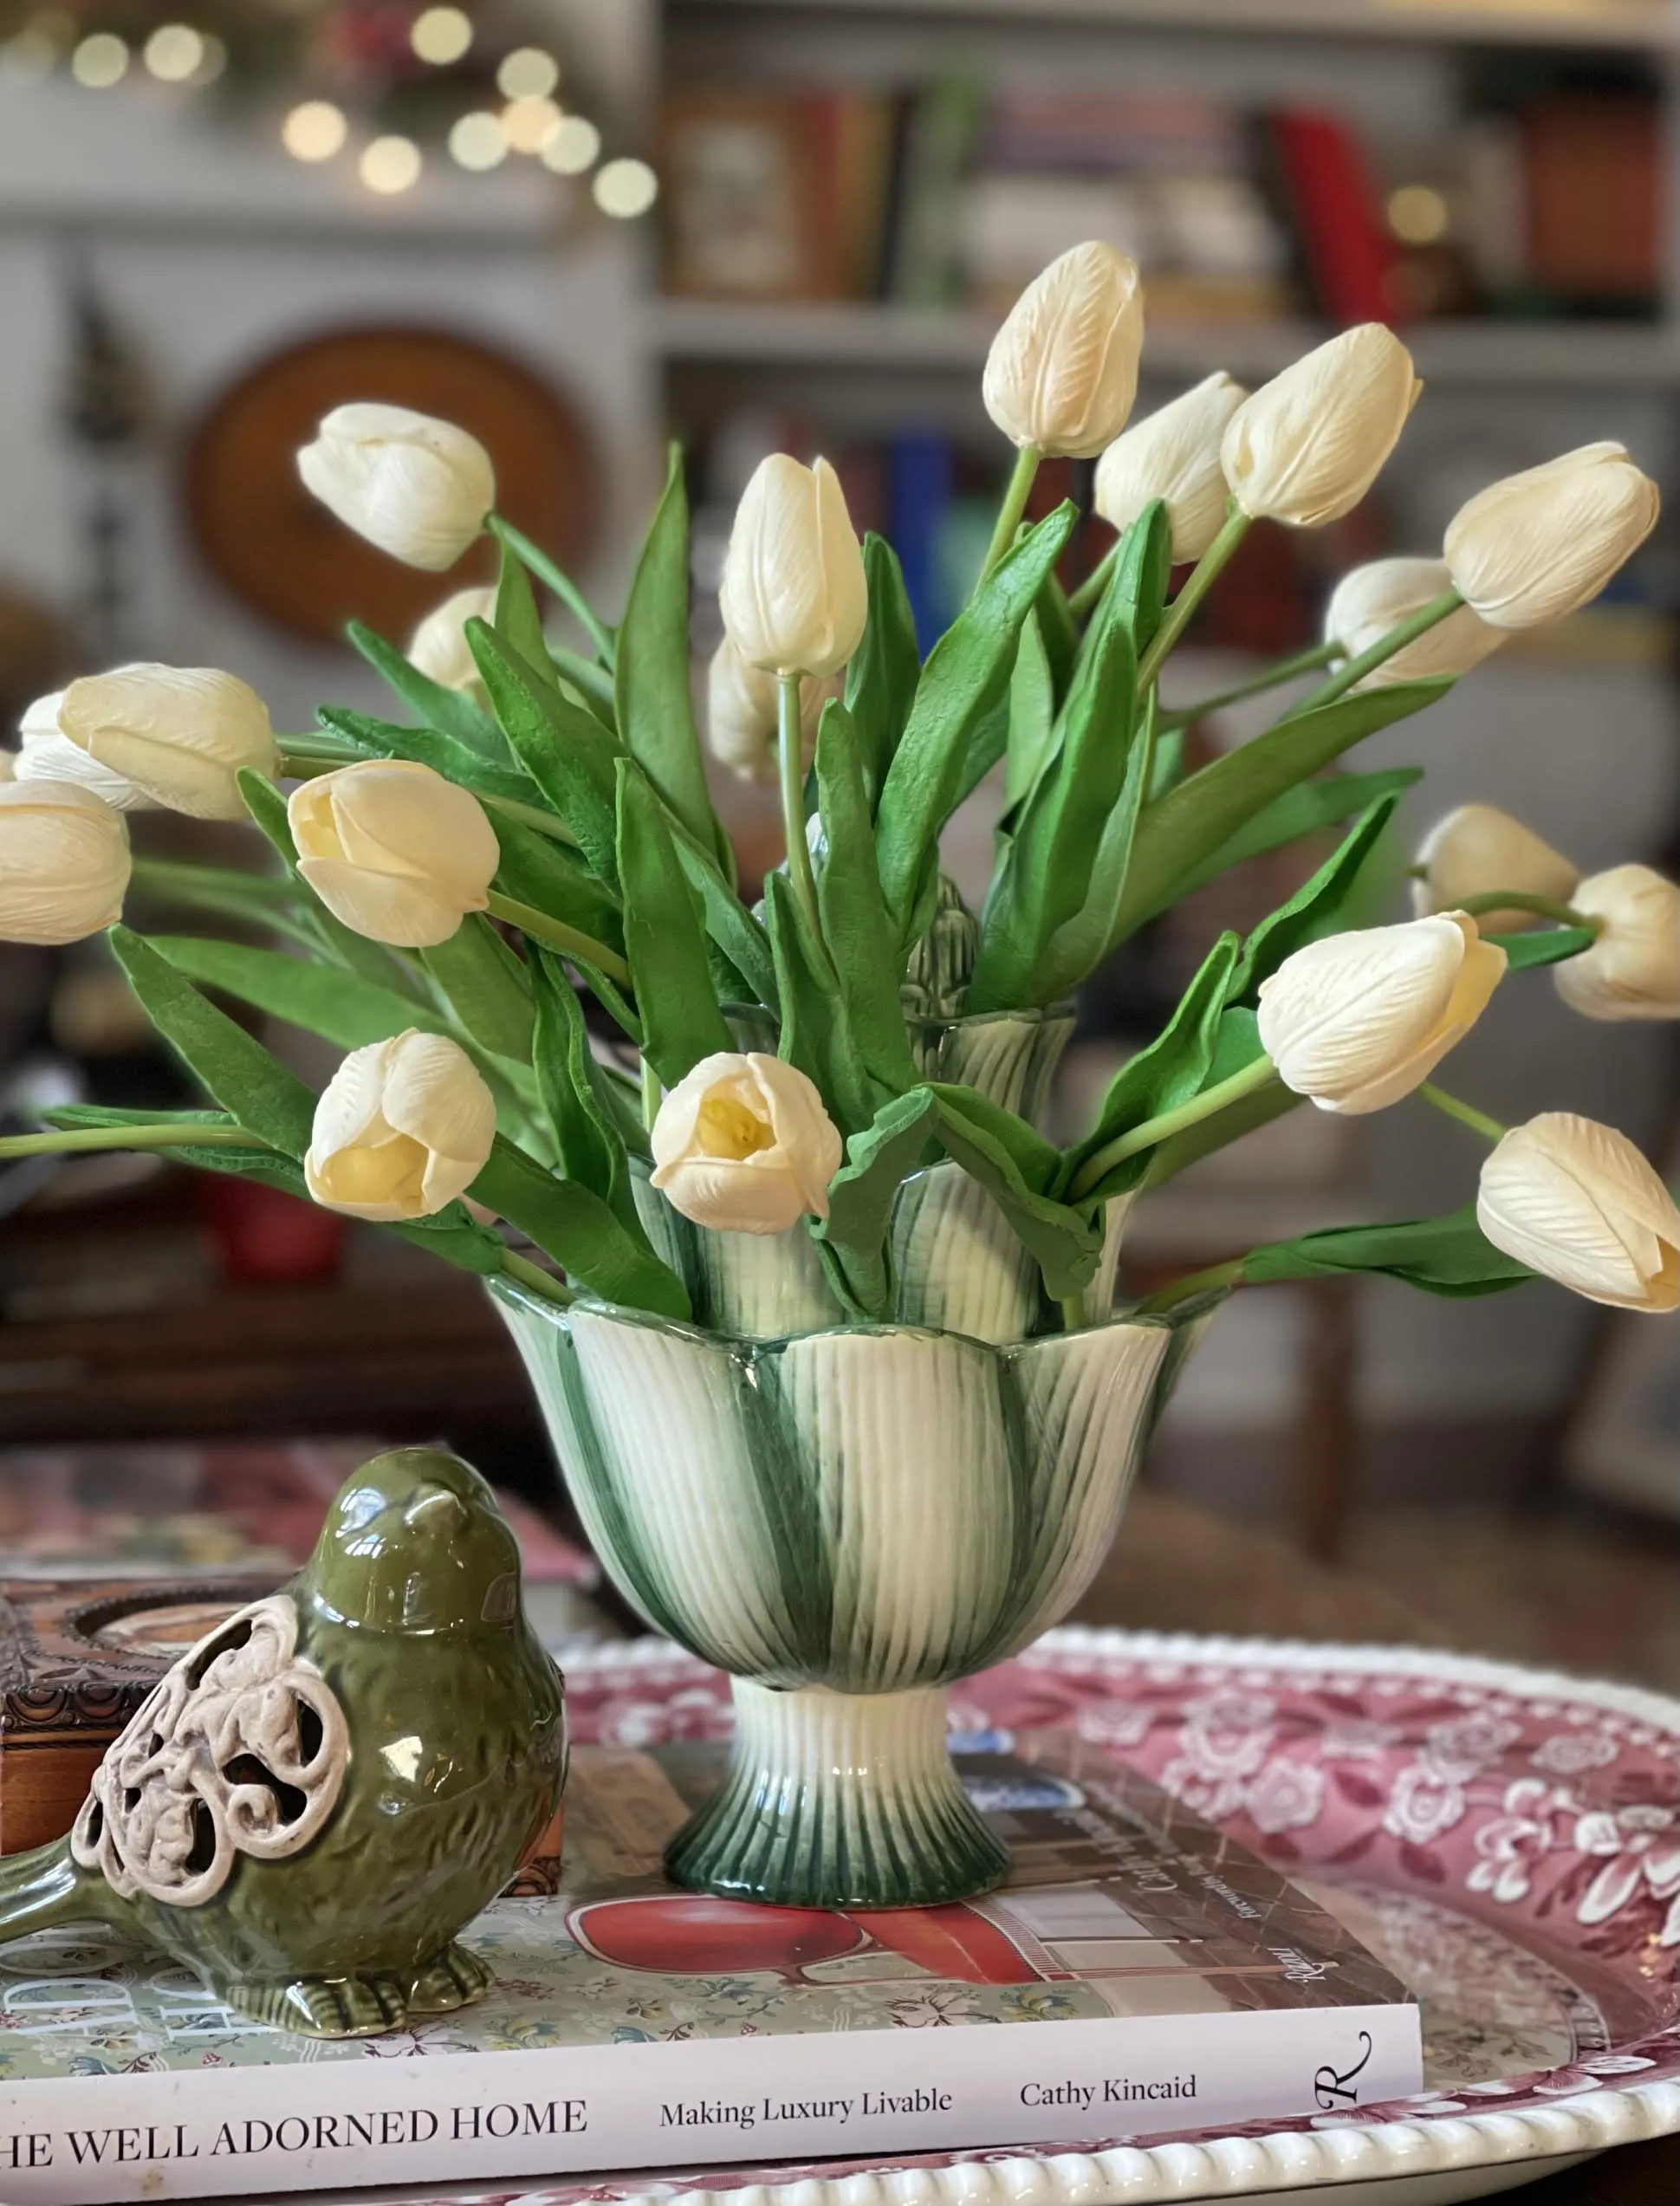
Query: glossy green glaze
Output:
(320,1794)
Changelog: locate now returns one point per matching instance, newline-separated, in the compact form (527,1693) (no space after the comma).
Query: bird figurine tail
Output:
(45,1887)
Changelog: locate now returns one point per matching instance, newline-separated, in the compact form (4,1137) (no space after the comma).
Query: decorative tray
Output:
(1506,1840)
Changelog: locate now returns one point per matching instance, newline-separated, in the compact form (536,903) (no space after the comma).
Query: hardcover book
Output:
(1139,1977)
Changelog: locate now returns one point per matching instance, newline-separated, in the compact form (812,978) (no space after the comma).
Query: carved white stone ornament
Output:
(177,1799)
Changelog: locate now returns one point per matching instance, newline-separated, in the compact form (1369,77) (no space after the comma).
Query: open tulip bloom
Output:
(533,821)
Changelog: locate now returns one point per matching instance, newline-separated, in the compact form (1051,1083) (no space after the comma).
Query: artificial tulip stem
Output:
(1355,669)
(1518,900)
(533,1275)
(1200,579)
(1282,670)
(1196,1282)
(1013,505)
(1466,1113)
(530,815)
(64,1141)
(1153,1131)
(571,942)
(791,769)
(1091,589)
(1073,1312)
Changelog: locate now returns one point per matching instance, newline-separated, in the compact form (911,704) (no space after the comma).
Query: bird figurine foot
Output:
(317,1797)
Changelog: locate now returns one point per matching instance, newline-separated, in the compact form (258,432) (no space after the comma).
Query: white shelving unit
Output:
(1530,354)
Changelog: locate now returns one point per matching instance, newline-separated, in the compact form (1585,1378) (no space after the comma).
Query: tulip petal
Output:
(64,862)
(1576,1201)
(401,912)
(394,816)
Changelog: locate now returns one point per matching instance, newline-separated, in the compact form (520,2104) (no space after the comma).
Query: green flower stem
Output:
(1200,579)
(328,751)
(1013,505)
(1073,1314)
(1518,900)
(533,1275)
(1153,1131)
(1282,670)
(1355,669)
(571,942)
(1094,583)
(530,815)
(1466,1113)
(791,767)
(652,1095)
(1196,1282)
(64,1141)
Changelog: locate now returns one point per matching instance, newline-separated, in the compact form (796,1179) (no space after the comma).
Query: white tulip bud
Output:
(743,713)
(439,647)
(1576,1201)
(1309,443)
(793,595)
(1062,372)
(418,488)
(46,754)
(395,851)
(64,862)
(1478,849)
(402,1128)
(1173,455)
(1632,970)
(1359,1019)
(174,736)
(1370,600)
(1537,545)
(744,1144)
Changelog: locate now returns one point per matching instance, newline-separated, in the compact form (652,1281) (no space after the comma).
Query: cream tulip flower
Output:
(1477,849)
(173,736)
(1359,1019)
(418,488)
(743,713)
(1372,599)
(46,754)
(439,647)
(793,595)
(1173,455)
(1535,546)
(1307,445)
(402,1128)
(1632,970)
(743,1144)
(1576,1201)
(1062,372)
(393,850)
(64,862)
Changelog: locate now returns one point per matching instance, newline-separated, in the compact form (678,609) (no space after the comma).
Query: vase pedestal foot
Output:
(838,1800)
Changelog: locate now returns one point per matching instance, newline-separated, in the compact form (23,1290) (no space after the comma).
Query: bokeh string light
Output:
(532,120)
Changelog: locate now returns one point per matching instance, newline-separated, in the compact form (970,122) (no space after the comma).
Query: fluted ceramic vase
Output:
(848,1518)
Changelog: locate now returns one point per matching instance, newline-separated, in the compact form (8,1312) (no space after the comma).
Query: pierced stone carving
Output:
(240,1749)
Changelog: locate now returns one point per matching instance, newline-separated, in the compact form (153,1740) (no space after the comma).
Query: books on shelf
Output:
(1151,1979)
(1541,195)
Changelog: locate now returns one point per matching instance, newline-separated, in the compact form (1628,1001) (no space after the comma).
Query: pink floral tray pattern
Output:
(1510,1841)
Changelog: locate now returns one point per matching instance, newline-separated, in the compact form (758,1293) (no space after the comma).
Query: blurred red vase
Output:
(263,1236)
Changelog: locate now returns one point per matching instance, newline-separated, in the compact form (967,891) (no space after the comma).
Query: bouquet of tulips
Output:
(537,817)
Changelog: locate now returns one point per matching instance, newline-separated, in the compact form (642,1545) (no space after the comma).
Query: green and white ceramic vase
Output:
(849,1518)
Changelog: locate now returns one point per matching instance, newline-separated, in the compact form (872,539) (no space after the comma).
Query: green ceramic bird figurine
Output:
(315,1799)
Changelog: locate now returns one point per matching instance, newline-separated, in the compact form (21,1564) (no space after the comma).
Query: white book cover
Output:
(1139,1977)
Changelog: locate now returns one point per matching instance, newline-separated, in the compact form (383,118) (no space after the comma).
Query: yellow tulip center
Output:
(727,1128)
(383,1172)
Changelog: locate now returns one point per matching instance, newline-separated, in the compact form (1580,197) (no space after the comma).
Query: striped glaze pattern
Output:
(840,1799)
(847,1522)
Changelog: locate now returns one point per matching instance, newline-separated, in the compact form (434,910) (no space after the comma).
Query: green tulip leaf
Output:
(966,677)
(486,986)
(580,1231)
(518,621)
(553,877)
(569,757)
(652,690)
(427,747)
(664,940)
(881,679)
(556,578)
(815,1019)
(1016,1166)
(1182,832)
(857,929)
(451,712)
(1542,945)
(1447,1255)
(1311,910)
(342,1007)
(587,1135)
(853,1238)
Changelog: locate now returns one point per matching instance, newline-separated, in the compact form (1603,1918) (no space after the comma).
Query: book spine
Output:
(347,2119)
